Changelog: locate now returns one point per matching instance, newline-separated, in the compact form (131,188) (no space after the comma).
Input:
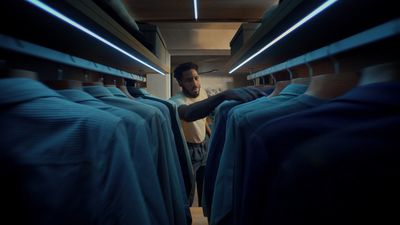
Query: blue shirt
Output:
(221,211)
(64,163)
(181,145)
(214,152)
(180,142)
(276,140)
(164,153)
(347,175)
(244,198)
(138,133)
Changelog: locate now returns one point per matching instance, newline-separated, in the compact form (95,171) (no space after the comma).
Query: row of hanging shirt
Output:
(323,153)
(91,155)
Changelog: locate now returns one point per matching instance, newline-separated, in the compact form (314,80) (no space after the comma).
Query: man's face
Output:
(190,83)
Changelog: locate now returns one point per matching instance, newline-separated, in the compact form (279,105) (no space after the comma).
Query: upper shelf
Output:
(339,21)
(388,32)
(37,26)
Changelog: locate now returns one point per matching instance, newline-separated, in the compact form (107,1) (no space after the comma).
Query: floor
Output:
(197,216)
(197,212)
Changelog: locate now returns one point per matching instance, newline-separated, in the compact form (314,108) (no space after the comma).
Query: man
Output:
(193,107)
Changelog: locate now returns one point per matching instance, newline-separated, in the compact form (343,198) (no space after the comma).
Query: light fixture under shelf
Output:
(62,17)
(288,31)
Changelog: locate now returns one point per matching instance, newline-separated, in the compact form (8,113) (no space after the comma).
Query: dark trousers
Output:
(198,155)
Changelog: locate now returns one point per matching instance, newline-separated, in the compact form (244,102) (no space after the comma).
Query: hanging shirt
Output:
(64,163)
(245,199)
(164,110)
(348,175)
(221,211)
(276,140)
(164,154)
(214,152)
(180,142)
(216,145)
(195,132)
(140,149)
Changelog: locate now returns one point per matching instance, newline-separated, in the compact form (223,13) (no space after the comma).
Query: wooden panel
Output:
(209,10)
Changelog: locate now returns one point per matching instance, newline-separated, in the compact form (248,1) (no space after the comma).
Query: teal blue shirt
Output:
(70,162)
(164,150)
(138,134)
(222,204)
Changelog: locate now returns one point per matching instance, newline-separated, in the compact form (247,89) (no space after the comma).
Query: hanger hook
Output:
(290,73)
(60,74)
(86,76)
(310,70)
(273,78)
(336,64)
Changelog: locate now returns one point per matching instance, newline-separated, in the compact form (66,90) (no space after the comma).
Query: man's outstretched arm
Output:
(203,108)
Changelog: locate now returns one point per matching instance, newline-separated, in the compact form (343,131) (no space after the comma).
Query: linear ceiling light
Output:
(57,14)
(298,24)
(195,9)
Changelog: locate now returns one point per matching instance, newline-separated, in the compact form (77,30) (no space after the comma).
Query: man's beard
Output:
(190,94)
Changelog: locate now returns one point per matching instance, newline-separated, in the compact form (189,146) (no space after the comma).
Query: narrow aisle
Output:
(197,216)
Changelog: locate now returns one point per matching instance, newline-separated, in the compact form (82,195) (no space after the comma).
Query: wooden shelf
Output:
(39,27)
(15,45)
(341,20)
(379,33)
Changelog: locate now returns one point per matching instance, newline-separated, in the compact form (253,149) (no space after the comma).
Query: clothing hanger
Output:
(385,72)
(279,86)
(332,85)
(61,83)
(21,73)
(110,82)
(95,83)
(124,89)
(303,80)
(290,73)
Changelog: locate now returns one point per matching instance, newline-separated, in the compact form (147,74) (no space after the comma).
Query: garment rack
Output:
(27,48)
(378,33)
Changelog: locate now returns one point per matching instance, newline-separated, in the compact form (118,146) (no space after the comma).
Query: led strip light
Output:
(57,14)
(195,9)
(294,27)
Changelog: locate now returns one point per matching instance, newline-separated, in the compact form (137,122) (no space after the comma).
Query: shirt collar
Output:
(294,89)
(76,95)
(116,92)
(14,90)
(98,91)
(385,94)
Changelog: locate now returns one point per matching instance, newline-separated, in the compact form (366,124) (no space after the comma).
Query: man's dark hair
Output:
(184,67)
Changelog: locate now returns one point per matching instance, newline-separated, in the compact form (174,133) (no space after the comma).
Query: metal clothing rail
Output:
(383,31)
(16,45)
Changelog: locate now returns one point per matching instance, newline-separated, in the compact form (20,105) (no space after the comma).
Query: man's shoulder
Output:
(178,98)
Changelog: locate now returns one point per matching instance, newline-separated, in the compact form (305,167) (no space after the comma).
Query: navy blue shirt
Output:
(273,141)
(244,198)
(348,176)
(216,145)
(222,205)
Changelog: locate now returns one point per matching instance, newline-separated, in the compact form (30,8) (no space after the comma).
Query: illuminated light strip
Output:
(55,13)
(298,24)
(195,9)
